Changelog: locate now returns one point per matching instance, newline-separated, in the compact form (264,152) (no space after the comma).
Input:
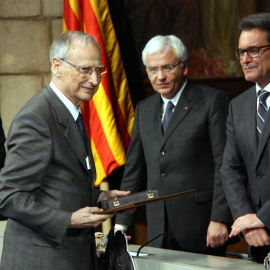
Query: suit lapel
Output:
(182,108)
(65,119)
(157,119)
(250,110)
(264,137)
(72,134)
(92,163)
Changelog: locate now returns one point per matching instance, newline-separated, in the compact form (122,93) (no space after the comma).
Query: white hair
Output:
(165,43)
(60,46)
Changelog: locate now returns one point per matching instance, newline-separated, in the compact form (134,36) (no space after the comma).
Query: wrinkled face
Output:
(166,83)
(68,80)
(255,69)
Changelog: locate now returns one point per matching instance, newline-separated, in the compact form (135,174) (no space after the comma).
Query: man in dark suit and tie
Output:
(177,144)
(2,145)
(247,153)
(47,184)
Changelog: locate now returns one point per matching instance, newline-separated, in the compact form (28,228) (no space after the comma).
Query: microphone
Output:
(138,252)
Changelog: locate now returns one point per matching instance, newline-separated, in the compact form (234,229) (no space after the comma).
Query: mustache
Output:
(248,65)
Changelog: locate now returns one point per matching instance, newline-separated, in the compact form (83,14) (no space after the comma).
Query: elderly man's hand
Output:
(111,194)
(84,218)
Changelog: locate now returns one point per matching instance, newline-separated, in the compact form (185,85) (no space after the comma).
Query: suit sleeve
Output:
(217,132)
(134,178)
(2,146)
(234,174)
(30,151)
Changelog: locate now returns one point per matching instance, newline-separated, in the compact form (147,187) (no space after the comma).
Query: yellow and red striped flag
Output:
(109,115)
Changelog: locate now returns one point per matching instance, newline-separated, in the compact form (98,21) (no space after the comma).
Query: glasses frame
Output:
(170,68)
(246,51)
(90,71)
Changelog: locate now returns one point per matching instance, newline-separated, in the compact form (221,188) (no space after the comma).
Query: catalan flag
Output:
(109,115)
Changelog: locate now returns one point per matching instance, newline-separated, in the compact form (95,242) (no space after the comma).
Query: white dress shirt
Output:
(70,106)
(266,88)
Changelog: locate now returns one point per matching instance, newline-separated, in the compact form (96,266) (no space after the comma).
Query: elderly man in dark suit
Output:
(179,154)
(2,145)
(46,186)
(247,153)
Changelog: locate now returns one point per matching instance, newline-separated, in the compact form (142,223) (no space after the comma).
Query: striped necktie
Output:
(167,116)
(262,110)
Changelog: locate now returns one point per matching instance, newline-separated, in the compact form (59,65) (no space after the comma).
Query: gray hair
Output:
(165,43)
(259,21)
(61,45)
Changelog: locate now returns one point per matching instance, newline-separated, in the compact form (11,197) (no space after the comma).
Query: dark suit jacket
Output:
(44,180)
(2,145)
(246,161)
(187,157)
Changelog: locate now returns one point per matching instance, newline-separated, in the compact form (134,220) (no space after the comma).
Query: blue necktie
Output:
(262,110)
(80,125)
(167,116)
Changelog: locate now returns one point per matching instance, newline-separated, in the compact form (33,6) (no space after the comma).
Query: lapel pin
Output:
(185,108)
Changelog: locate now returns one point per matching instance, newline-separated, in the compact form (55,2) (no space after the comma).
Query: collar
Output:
(266,88)
(175,99)
(70,106)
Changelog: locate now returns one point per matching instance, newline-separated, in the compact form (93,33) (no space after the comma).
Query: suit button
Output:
(163,175)
(259,176)
(162,153)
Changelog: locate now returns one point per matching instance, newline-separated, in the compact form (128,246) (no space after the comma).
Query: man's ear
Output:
(56,66)
(185,68)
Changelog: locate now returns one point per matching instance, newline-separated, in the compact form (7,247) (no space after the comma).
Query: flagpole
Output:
(106,225)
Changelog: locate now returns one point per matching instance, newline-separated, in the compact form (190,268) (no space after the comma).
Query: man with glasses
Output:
(47,184)
(245,168)
(177,144)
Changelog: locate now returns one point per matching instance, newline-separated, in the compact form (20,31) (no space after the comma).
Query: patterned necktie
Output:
(262,110)
(167,116)
(80,125)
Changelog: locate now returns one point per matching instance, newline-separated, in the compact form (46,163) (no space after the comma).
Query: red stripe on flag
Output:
(86,20)
(71,20)
(98,135)
(92,28)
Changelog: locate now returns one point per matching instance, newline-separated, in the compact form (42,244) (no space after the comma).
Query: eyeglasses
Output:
(165,69)
(86,72)
(253,52)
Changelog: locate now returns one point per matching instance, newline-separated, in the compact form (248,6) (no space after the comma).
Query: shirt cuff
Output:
(121,227)
(260,221)
(100,195)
